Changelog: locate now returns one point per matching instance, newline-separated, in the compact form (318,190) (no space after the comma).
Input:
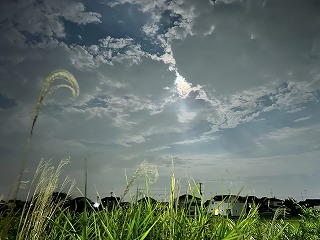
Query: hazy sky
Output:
(228,89)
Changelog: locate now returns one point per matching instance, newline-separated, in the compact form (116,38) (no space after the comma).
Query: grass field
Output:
(47,218)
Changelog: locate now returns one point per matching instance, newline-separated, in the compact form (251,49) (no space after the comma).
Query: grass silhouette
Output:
(48,86)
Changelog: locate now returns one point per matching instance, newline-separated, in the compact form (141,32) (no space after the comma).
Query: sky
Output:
(224,93)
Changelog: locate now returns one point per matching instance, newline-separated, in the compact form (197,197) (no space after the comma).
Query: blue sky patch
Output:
(168,20)
(121,21)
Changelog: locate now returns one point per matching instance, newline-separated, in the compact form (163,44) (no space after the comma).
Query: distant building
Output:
(147,200)
(294,209)
(16,205)
(226,205)
(190,203)
(78,204)
(270,204)
(109,203)
(275,202)
(251,202)
(313,203)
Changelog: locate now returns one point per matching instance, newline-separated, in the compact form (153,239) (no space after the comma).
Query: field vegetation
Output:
(48,215)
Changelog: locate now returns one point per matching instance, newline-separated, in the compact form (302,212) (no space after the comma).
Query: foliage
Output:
(48,86)
(309,225)
(47,218)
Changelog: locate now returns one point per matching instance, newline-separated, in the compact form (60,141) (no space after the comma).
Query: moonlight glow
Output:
(182,86)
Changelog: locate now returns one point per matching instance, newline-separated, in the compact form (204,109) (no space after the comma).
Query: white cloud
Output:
(180,29)
(295,93)
(229,1)
(230,111)
(285,133)
(150,29)
(167,57)
(117,108)
(158,149)
(128,141)
(289,141)
(80,57)
(44,19)
(253,36)
(183,87)
(303,119)
(185,117)
(201,139)
(116,50)
(210,31)
(75,12)
(295,110)
(115,43)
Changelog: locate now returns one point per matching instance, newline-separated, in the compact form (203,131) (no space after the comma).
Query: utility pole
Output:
(140,192)
(187,188)
(200,187)
(112,192)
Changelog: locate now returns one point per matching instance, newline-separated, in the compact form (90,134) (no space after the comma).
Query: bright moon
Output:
(183,87)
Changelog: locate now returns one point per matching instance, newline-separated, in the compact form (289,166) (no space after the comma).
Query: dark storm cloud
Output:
(252,43)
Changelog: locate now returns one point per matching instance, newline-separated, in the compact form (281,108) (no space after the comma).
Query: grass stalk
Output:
(48,86)
(34,218)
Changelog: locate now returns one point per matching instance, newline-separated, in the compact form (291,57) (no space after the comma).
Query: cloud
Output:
(285,133)
(295,110)
(114,50)
(80,57)
(180,19)
(246,106)
(303,119)
(289,141)
(202,139)
(150,29)
(179,14)
(128,141)
(210,31)
(185,117)
(159,149)
(229,59)
(44,20)
(184,88)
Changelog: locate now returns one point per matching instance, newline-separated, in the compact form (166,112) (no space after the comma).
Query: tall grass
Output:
(46,219)
(48,86)
(36,215)
(145,168)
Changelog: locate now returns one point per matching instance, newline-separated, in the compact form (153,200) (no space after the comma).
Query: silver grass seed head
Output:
(149,170)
